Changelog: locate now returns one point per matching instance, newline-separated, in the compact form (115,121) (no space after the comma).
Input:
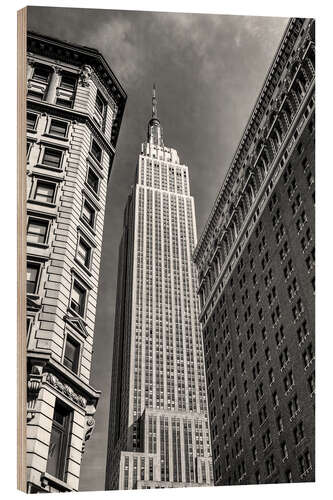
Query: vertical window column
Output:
(54,83)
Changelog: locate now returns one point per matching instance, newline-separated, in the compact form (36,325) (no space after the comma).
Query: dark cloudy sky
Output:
(208,70)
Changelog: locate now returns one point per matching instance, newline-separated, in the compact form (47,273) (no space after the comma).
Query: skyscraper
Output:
(256,282)
(158,434)
(74,110)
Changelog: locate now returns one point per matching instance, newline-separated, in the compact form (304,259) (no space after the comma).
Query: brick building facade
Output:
(256,283)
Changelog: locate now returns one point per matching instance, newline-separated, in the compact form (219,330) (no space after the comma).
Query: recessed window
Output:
(37,230)
(58,128)
(88,213)
(41,74)
(72,354)
(38,95)
(58,449)
(29,145)
(31,121)
(29,323)
(78,298)
(52,158)
(68,81)
(93,180)
(32,277)
(67,103)
(45,192)
(96,151)
(100,104)
(84,253)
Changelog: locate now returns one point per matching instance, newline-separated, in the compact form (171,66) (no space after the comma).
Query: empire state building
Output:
(158,429)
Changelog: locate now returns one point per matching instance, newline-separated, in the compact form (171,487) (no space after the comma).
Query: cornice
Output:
(274,73)
(82,58)
(77,55)
(260,202)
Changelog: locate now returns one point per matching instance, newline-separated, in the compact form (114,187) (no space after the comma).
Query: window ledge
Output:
(95,161)
(48,167)
(87,225)
(91,191)
(42,203)
(83,267)
(38,245)
(76,314)
(49,480)
(57,137)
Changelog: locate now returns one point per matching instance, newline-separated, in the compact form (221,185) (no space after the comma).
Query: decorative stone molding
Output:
(66,390)
(85,75)
(90,424)
(57,69)
(33,387)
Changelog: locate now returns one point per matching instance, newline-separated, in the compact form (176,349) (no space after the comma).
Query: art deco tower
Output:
(158,434)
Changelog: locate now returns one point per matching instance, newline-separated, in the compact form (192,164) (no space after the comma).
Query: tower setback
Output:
(158,433)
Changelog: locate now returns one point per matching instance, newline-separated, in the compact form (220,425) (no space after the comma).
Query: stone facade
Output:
(74,110)
(255,260)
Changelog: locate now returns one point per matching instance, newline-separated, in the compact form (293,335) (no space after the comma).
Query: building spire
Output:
(154,103)
(155,131)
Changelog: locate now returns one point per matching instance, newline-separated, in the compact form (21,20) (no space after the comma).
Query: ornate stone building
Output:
(74,111)
(158,431)
(256,283)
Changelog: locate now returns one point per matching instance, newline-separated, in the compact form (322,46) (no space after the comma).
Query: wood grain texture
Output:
(21,249)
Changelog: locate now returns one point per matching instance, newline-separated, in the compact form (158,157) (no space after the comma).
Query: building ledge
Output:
(48,480)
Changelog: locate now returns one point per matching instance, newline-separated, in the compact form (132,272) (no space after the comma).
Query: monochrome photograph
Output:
(168,249)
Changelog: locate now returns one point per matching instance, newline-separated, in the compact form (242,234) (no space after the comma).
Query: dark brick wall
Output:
(266,314)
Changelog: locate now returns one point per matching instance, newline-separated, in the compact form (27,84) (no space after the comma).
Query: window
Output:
(308,355)
(37,230)
(100,104)
(45,192)
(52,158)
(93,180)
(262,414)
(72,354)
(78,298)
(39,95)
(68,81)
(270,465)
(84,253)
(41,74)
(288,381)
(59,441)
(279,424)
(29,145)
(284,450)
(289,478)
(29,323)
(284,357)
(96,151)
(293,406)
(32,277)
(311,383)
(304,462)
(31,121)
(58,128)
(88,213)
(298,432)
(266,439)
